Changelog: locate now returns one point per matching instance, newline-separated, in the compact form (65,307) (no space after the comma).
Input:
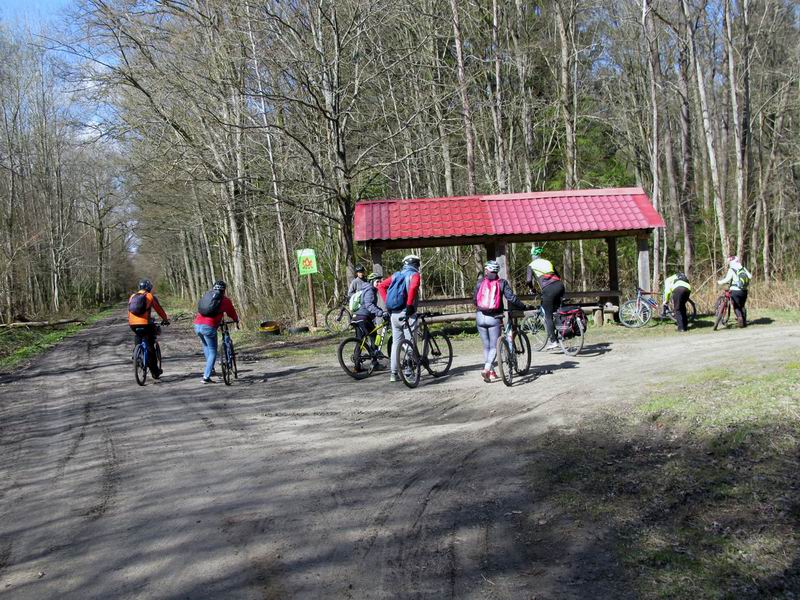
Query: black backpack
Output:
(209,304)
(137,304)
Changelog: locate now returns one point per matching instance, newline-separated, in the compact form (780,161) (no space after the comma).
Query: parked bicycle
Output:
(338,319)
(436,355)
(513,352)
(360,357)
(141,355)
(227,358)
(639,311)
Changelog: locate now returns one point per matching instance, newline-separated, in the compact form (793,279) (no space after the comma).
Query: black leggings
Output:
(148,332)
(739,299)
(552,295)
(680,296)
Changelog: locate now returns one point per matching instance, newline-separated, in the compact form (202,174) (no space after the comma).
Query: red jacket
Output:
(226,308)
(413,288)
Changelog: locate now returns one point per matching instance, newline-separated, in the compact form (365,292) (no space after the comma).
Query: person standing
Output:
(140,307)
(211,309)
(359,282)
(400,294)
(542,271)
(739,279)
(678,289)
(488,298)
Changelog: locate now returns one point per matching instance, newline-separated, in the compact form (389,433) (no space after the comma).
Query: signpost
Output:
(307,265)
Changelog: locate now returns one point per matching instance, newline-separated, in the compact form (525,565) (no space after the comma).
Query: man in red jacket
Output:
(206,329)
(411,280)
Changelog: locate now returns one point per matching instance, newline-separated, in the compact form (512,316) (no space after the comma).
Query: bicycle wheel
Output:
(139,366)
(722,312)
(571,346)
(225,363)
(522,346)
(534,325)
(634,316)
(408,363)
(505,361)
(438,354)
(354,358)
(158,355)
(233,364)
(337,320)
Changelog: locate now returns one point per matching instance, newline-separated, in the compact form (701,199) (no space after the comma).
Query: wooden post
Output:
(500,257)
(311,301)
(377,259)
(642,244)
(613,268)
(491,251)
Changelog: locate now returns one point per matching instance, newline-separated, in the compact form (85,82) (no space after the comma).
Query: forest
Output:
(193,140)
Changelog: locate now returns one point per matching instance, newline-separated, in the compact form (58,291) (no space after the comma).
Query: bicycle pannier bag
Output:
(209,304)
(137,304)
(355,301)
(743,278)
(397,294)
(488,297)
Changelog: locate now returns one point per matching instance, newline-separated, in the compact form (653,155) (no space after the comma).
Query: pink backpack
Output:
(489,294)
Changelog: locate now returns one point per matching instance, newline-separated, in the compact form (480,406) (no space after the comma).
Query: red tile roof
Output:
(536,213)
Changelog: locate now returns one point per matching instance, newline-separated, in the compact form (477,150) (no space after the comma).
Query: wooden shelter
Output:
(496,220)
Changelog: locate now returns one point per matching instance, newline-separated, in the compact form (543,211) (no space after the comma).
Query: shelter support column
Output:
(643,246)
(376,252)
(497,251)
(613,269)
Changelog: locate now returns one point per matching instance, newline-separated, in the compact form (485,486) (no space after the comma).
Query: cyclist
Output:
(358,283)
(543,271)
(212,308)
(364,319)
(488,297)
(140,307)
(400,293)
(739,279)
(678,289)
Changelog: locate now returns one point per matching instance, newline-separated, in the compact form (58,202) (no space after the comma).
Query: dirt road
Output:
(297,482)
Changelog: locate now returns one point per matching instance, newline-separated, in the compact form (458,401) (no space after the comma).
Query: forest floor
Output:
(653,465)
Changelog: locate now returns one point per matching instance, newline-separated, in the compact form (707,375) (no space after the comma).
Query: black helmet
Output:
(220,285)
(360,269)
(146,284)
(681,276)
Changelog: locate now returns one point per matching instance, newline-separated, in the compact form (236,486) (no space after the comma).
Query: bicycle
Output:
(141,354)
(570,324)
(360,357)
(637,312)
(513,352)
(436,355)
(338,319)
(227,358)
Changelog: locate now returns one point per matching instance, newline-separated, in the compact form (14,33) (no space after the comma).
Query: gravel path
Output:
(298,482)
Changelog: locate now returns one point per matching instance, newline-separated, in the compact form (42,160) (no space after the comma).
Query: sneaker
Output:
(551,346)
(393,378)
(485,376)
(493,376)
(208,380)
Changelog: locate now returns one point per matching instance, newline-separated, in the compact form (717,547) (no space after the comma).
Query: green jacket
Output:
(671,284)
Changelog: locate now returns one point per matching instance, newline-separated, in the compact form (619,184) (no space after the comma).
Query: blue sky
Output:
(31,10)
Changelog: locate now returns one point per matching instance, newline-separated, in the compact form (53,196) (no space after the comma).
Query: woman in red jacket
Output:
(206,329)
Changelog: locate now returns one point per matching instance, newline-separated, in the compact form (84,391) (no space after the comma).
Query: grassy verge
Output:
(18,346)
(698,487)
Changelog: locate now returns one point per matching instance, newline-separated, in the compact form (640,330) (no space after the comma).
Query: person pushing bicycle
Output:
(140,307)
(400,293)
(211,309)
(368,311)
(739,279)
(678,289)
(542,270)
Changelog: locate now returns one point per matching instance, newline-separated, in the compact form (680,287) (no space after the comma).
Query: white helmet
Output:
(413,260)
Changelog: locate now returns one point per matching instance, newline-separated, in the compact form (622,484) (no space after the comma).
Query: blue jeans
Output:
(208,336)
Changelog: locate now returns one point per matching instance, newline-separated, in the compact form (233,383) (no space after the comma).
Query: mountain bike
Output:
(338,319)
(513,352)
(723,307)
(637,312)
(436,355)
(141,355)
(360,357)
(533,326)
(227,357)
(570,324)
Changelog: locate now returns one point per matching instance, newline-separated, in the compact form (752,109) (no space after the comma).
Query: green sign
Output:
(306,261)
